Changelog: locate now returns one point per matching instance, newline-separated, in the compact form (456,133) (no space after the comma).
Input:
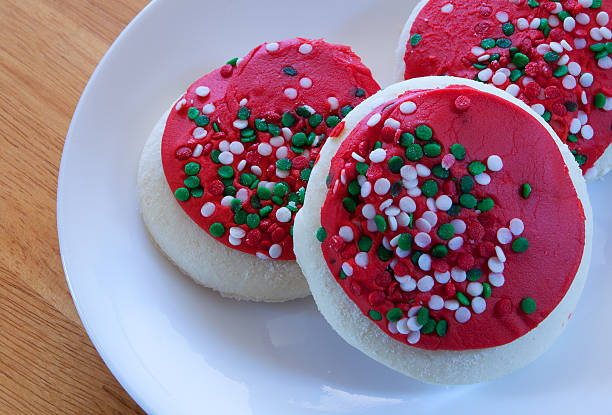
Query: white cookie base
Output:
(432,366)
(601,166)
(209,262)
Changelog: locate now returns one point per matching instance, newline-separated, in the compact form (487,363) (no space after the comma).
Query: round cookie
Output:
(225,169)
(552,55)
(453,280)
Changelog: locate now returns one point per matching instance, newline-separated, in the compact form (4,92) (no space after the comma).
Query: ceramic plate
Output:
(178,348)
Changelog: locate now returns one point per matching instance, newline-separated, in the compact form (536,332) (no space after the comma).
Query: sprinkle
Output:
(479,305)
(199,133)
(569,24)
(378,155)
(596,34)
(485,74)
(180,104)
(525,190)
(586,79)
(528,305)
(422,239)
(275,251)
(207,209)
(462,314)
(587,132)
(333,103)
(474,288)
(374,119)
(520,245)
(347,269)
(602,18)
(605,62)
(447,8)
(346,233)
(444,202)
(495,163)
(291,93)
(451,304)
(513,89)
(271,47)
(208,109)
(226,157)
(413,337)
(283,214)
(423,225)
(425,262)
(458,274)
(305,48)
(425,284)
(504,236)
(496,279)
(407,204)
(306,83)
(240,124)
(569,82)
(499,78)
(502,17)
(202,91)
(522,23)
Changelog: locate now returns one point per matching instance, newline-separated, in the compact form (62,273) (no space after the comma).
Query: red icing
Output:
(261,78)
(446,49)
(552,215)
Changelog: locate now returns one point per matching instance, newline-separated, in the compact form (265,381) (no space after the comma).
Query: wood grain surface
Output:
(48,50)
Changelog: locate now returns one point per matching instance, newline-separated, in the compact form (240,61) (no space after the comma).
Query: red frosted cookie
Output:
(441,250)
(555,56)
(237,150)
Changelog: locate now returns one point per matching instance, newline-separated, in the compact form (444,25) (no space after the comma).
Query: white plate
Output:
(181,349)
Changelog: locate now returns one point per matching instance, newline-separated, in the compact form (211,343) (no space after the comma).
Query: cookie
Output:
(224,171)
(446,231)
(552,55)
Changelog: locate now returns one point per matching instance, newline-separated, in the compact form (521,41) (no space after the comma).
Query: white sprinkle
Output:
(277,141)
(378,155)
(283,215)
(408,285)
(264,149)
(513,89)
(543,48)
(422,239)
(451,305)
(282,152)
(347,269)
(477,51)
(485,74)
(422,170)
(574,68)
(414,192)
(556,47)
(425,262)
(586,79)
(224,145)
(242,194)
(180,104)
(374,119)
(271,47)
(208,109)
(583,98)
(522,23)
(569,24)
(333,103)
(474,288)
(305,83)
(430,217)
(462,315)
(408,172)
(502,17)
(199,133)
(357,157)
(407,204)
(202,91)
(402,326)
(580,43)
(563,60)
(241,165)
(479,305)
(553,21)
(442,277)
(236,147)
(569,82)
(227,200)
(368,211)
(605,62)
(575,126)
(197,151)
(413,323)
(495,163)
(414,337)
(425,284)
(411,184)
(392,211)
(587,132)
(458,225)
(484,58)
(392,326)
(422,225)
(504,236)
(535,23)
(407,107)
(602,18)
(382,186)
(566,45)
(393,123)
(237,232)
(256,170)
(455,243)
(243,102)
(431,204)
(606,33)
(275,251)
(447,8)
(226,157)
(583,18)
(346,233)
(444,202)
(436,302)
(458,274)
(583,117)
(482,179)
(585,3)
(596,34)
(240,124)
(499,78)
(291,93)
(495,265)
(362,259)
(207,209)
(496,280)
(234,241)
(516,226)
(500,253)
(403,219)
(538,108)
(285,173)
(366,189)
(305,48)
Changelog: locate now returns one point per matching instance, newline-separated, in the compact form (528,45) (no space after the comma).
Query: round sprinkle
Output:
(528,305)
(479,305)
(520,244)
(446,231)
(496,279)
(207,209)
(462,315)
(202,91)
(425,284)
(495,163)
(217,229)
(525,190)
(374,119)
(271,47)
(321,234)
(346,233)
(291,93)
(504,236)
(394,314)
(458,151)
(407,107)
(444,202)
(414,152)
(275,251)
(305,48)
(476,167)
(305,83)
(382,186)
(378,155)
(423,132)
(516,226)
(395,164)
(181,194)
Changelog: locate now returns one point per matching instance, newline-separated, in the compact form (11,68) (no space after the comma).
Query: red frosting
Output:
(239,145)
(555,83)
(390,281)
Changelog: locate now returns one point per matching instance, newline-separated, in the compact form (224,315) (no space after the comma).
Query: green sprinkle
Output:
(303,111)
(563,15)
(486,290)
(454,210)
(229,191)
(349,204)
(429,188)
(264,193)
(394,314)
(441,327)
(479,65)
(274,130)
(191,169)
(214,156)
(466,184)
(423,132)
(375,315)
(520,60)
(260,124)
(414,152)
(515,74)
(476,167)
(580,159)
(265,211)
(467,201)
(315,120)
(406,139)
(226,172)
(415,39)
(596,4)
(354,188)
(513,51)
(508,28)
(235,205)
(383,253)
(422,315)
(217,229)
(474,274)
(192,113)
(572,138)
(528,305)
(255,202)
(283,164)
(252,220)
(599,100)
(543,24)
(458,151)
(415,257)
(597,47)
(494,57)
(601,55)
(311,138)
(362,168)
(395,164)
(446,231)
(487,43)
(440,171)
(287,120)
(290,70)
(547,116)
(520,244)
(246,179)
(429,326)
(181,194)
(244,113)
(197,192)
(240,217)
(365,243)
(533,4)
(432,149)
(551,56)
(525,190)
(381,224)
(232,62)
(332,121)
(202,120)
(439,251)
(560,71)
(405,241)
(305,174)
(299,139)
(280,189)
(503,43)
(378,144)
(191,182)
(462,298)
(360,92)
(485,204)
(321,234)
(342,274)
(345,110)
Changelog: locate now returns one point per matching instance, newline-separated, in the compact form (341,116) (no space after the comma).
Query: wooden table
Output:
(48,50)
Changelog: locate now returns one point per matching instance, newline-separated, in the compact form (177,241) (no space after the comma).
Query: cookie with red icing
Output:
(556,56)
(225,170)
(436,246)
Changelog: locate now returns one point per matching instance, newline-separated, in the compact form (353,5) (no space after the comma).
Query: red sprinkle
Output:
(559,109)
(183,153)
(475,231)
(216,187)
(532,90)
(278,234)
(551,92)
(253,237)
(462,103)
(503,306)
(226,70)
(486,249)
(376,297)
(532,69)
(299,162)
(466,261)
(387,134)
